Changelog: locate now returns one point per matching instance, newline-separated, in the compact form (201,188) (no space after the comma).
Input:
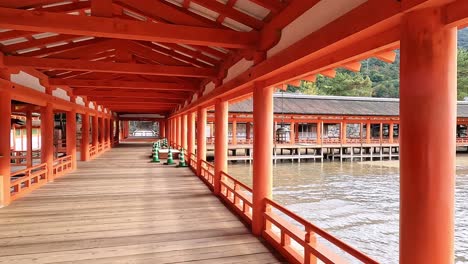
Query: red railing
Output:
(207,173)
(296,238)
(193,162)
(19,157)
(238,195)
(92,151)
(27,180)
(62,166)
(100,147)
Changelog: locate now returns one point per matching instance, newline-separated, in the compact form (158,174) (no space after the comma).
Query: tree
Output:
(462,74)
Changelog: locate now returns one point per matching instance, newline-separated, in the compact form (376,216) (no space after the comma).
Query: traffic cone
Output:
(182,159)
(169,161)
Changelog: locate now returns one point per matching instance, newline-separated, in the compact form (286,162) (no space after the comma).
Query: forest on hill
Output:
(378,78)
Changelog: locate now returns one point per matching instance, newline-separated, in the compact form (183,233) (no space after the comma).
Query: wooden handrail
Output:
(31,178)
(316,230)
(62,166)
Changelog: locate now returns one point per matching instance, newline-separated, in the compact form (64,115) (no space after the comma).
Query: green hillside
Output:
(380,79)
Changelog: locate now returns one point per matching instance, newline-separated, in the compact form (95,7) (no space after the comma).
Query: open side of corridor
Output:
(119,208)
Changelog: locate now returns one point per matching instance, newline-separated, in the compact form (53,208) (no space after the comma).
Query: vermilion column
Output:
(234,132)
(343,132)
(71,136)
(368,132)
(292,135)
(381,132)
(201,138)
(111,131)
(390,133)
(47,137)
(29,145)
(102,131)
(183,131)
(85,137)
(179,131)
(262,154)
(247,131)
(162,129)
(191,133)
(428,94)
(95,130)
(221,142)
(117,130)
(319,132)
(5,130)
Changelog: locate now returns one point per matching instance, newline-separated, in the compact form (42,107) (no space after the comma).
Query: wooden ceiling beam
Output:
(37,43)
(101,8)
(56,52)
(124,29)
(181,58)
(231,13)
(98,66)
(127,94)
(133,100)
(122,85)
(274,5)
(159,10)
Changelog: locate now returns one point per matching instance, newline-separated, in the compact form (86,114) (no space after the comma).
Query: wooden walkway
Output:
(120,208)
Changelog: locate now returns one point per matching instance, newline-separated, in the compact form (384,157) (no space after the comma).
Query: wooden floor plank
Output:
(120,208)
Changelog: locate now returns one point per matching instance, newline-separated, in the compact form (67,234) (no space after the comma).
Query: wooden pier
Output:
(315,152)
(119,208)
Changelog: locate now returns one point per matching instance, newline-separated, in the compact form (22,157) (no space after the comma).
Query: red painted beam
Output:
(98,66)
(122,85)
(124,29)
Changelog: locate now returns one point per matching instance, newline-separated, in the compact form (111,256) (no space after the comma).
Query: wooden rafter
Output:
(123,85)
(98,66)
(124,29)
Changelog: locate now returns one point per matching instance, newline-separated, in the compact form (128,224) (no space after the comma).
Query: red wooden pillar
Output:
(319,132)
(201,138)
(221,142)
(117,131)
(102,131)
(71,136)
(292,136)
(29,145)
(162,129)
(428,112)
(95,130)
(5,134)
(176,131)
(368,132)
(234,131)
(190,133)
(262,154)
(390,133)
(247,131)
(183,131)
(47,136)
(85,137)
(111,131)
(343,132)
(381,133)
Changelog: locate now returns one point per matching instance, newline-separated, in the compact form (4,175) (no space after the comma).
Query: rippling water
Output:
(358,203)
